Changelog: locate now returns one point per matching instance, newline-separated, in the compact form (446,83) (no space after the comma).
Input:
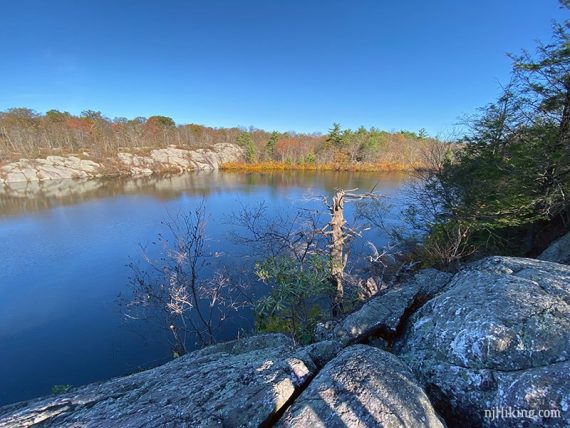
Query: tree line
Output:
(26,133)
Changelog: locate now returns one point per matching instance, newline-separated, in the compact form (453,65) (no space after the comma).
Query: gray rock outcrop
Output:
(167,159)
(498,336)
(362,387)
(238,384)
(383,314)
(181,160)
(246,383)
(558,251)
(50,168)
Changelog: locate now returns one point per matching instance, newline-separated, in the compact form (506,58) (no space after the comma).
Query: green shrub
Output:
(60,389)
(510,179)
(246,141)
(297,292)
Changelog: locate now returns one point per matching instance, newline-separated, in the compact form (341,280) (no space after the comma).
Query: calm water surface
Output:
(63,255)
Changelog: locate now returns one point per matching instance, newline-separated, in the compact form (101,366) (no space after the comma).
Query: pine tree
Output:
(271,144)
(244,140)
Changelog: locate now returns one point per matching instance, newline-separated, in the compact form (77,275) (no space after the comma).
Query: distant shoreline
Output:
(223,157)
(348,167)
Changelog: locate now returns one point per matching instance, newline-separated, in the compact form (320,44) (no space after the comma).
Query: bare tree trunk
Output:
(340,235)
(337,256)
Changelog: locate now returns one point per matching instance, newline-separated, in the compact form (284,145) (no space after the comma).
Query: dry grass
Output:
(283,166)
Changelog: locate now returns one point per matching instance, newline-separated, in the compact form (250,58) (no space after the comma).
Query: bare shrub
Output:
(181,290)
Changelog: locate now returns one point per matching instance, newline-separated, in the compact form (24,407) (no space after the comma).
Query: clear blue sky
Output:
(274,64)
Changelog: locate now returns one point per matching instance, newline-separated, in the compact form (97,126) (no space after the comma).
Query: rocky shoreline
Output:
(170,159)
(437,350)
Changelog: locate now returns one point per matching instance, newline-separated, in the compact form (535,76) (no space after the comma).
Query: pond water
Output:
(64,252)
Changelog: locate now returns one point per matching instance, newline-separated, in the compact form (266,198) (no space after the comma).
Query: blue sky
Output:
(273,64)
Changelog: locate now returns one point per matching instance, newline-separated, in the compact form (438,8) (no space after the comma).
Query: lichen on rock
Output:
(499,335)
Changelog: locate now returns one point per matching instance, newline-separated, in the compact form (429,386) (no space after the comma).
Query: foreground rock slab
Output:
(558,251)
(497,337)
(383,314)
(362,387)
(235,384)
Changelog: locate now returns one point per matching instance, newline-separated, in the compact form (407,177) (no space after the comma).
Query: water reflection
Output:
(20,198)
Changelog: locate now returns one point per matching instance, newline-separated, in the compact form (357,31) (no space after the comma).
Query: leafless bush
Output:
(447,246)
(176,290)
(297,235)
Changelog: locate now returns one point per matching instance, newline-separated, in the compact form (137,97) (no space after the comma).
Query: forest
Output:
(25,133)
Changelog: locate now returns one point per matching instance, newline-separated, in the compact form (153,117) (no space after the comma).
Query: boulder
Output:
(50,168)
(15,177)
(382,315)
(226,152)
(88,166)
(172,157)
(48,172)
(127,159)
(322,352)
(498,336)
(30,174)
(56,160)
(243,383)
(362,387)
(245,345)
(558,251)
